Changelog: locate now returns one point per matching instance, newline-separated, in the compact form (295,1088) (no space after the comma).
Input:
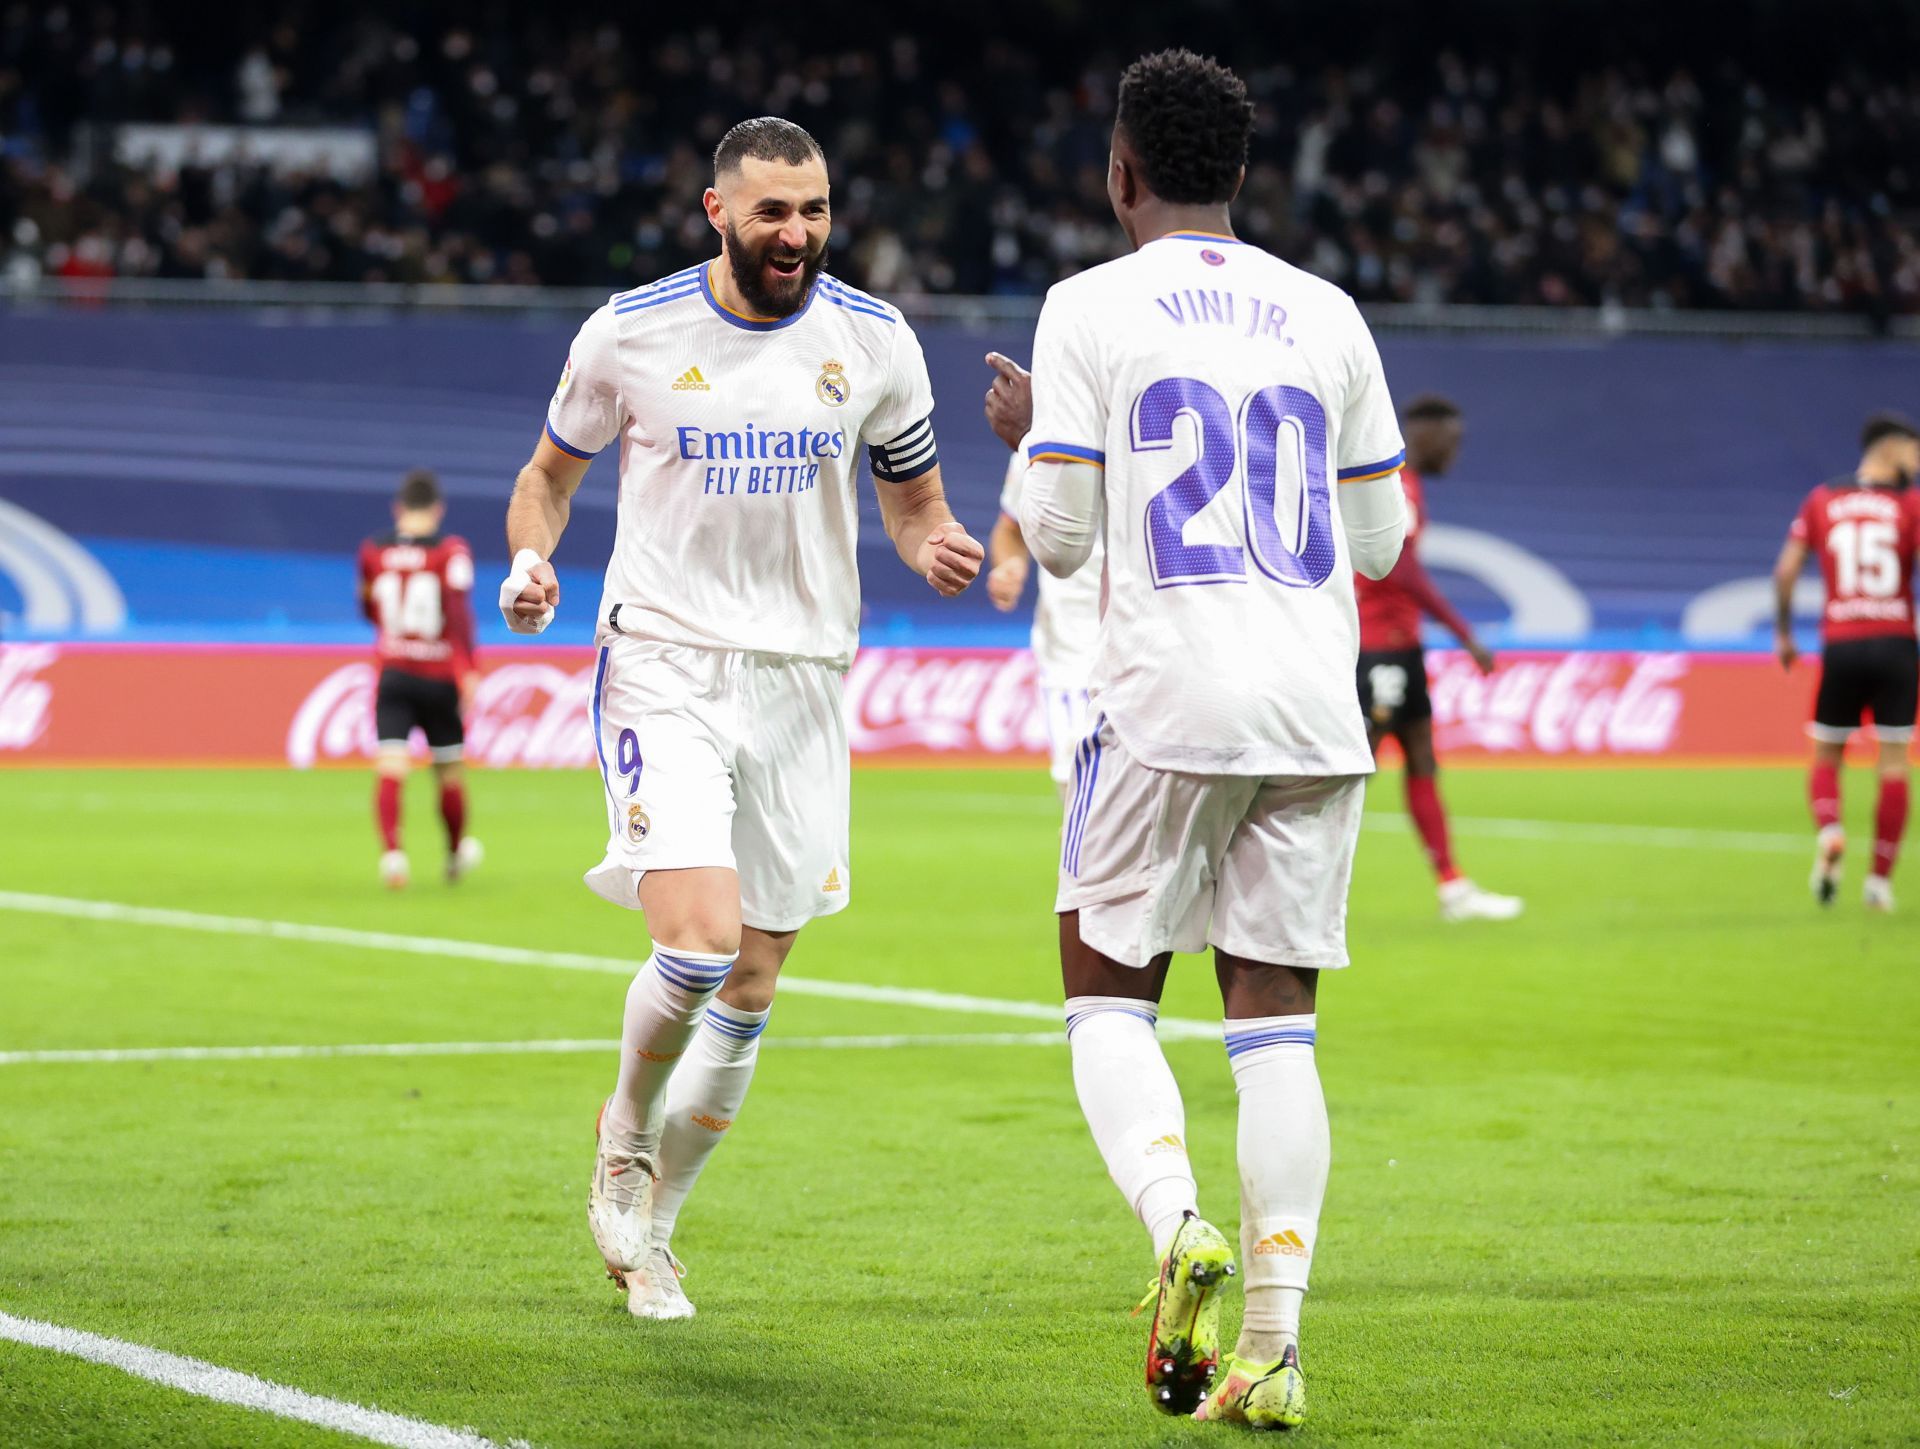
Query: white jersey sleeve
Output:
(587,413)
(899,431)
(1069,399)
(1010,483)
(1370,442)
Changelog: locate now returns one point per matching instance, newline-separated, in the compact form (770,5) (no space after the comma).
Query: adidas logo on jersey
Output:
(691,381)
(1286,1242)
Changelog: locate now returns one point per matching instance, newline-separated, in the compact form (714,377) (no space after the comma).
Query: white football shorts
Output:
(1158,861)
(712,757)
(1068,719)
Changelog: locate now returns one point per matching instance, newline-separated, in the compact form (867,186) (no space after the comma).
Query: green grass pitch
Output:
(1638,1168)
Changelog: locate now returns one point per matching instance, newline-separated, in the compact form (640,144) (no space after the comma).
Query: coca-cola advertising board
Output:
(126,704)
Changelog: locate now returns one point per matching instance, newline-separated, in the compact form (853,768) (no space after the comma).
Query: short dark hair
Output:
(1886,425)
(1431,407)
(765,138)
(1187,118)
(419,489)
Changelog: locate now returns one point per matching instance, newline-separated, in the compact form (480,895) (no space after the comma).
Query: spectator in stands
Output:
(1497,166)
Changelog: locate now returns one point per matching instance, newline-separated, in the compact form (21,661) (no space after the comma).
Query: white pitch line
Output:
(123,914)
(230,1386)
(561,1047)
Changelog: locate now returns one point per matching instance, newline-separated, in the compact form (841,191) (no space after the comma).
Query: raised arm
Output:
(586,414)
(928,538)
(1373,512)
(536,518)
(1063,493)
(1060,513)
(1009,409)
(1373,505)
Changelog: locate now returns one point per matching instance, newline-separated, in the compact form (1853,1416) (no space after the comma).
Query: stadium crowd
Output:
(568,149)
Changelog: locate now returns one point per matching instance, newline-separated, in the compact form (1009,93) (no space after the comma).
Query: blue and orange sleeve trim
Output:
(564,446)
(1368,471)
(1065,453)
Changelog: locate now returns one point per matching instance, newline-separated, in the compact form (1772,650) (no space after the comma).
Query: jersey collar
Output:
(741,319)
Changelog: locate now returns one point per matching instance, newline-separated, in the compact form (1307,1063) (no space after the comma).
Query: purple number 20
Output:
(1273,421)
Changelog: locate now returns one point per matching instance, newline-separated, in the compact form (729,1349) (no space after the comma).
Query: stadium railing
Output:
(397,297)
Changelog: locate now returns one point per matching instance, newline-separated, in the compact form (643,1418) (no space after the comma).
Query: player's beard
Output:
(766,291)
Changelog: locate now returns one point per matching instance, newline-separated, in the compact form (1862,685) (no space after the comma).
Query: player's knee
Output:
(748,989)
(391,764)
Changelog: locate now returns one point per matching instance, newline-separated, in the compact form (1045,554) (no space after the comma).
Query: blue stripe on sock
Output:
(1074,1018)
(1283,1036)
(717,970)
(739,1031)
(677,971)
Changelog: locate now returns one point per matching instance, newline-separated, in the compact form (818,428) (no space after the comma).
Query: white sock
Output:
(1284,1152)
(703,1099)
(664,1005)
(1132,1103)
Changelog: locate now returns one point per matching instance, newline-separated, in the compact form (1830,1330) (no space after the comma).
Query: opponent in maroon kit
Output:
(415,585)
(1865,529)
(1393,664)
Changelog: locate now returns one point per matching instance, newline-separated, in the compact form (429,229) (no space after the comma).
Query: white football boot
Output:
(619,1204)
(1462,900)
(1878,894)
(466,856)
(654,1291)
(394,870)
(1829,846)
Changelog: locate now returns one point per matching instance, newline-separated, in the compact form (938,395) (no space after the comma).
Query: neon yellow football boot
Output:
(1184,1348)
(1263,1396)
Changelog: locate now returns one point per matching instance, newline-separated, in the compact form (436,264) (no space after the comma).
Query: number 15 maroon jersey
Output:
(417,592)
(1865,538)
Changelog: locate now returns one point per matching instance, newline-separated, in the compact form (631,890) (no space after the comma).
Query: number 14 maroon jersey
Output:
(417,592)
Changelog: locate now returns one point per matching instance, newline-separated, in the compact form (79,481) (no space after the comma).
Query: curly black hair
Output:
(1187,118)
(764,138)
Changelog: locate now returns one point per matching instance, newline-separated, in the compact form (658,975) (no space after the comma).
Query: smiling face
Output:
(773,221)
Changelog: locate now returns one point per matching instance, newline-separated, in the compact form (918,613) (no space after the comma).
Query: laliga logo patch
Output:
(637,823)
(832,388)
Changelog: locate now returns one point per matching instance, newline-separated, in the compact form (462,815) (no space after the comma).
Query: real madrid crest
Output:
(832,386)
(637,824)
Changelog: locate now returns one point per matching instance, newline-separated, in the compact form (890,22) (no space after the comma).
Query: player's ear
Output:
(716,210)
(1238,182)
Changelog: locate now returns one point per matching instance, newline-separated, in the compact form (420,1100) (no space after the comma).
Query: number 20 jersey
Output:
(1227,395)
(1864,537)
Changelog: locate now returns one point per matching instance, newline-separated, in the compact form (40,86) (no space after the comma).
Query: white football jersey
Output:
(1226,394)
(740,442)
(1066,612)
